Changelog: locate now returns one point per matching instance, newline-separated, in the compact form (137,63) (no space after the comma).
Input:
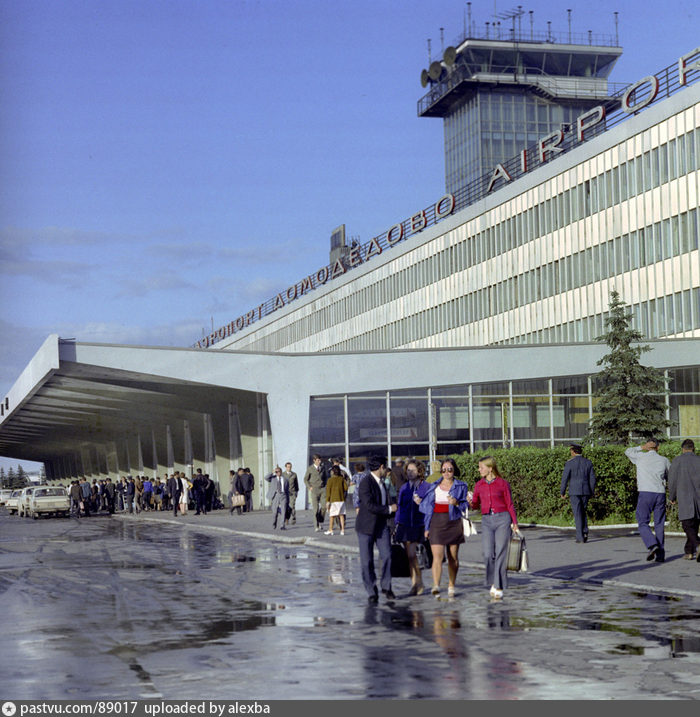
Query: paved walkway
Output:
(612,556)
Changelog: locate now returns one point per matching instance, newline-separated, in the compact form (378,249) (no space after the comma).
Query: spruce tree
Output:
(3,478)
(630,396)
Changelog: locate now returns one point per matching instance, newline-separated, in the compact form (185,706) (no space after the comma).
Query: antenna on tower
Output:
(442,40)
(568,12)
(429,55)
(469,15)
(532,25)
(508,15)
(617,36)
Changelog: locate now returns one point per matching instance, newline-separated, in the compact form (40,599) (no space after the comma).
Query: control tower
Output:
(501,89)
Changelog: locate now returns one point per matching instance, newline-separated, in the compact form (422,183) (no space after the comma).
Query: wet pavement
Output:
(219,607)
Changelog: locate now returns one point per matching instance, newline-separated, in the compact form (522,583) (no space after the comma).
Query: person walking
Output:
(175,490)
(87,496)
(409,520)
(652,474)
(293,481)
(130,493)
(210,492)
(371,526)
(147,494)
(493,497)
(278,495)
(110,495)
(579,476)
(76,497)
(442,506)
(237,488)
(248,481)
(336,492)
(357,476)
(684,488)
(198,487)
(186,493)
(315,481)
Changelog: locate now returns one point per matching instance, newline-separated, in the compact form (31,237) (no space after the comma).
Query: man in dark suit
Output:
(248,488)
(371,525)
(198,483)
(175,490)
(684,487)
(580,477)
(237,488)
(293,481)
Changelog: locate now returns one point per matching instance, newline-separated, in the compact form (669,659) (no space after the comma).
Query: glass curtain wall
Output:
(431,423)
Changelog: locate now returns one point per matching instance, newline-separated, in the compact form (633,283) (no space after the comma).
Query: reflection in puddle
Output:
(233,557)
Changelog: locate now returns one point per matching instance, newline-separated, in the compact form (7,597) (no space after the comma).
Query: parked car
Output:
(24,497)
(47,500)
(5,493)
(12,503)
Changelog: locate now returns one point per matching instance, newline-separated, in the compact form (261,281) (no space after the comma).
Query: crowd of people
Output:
(134,494)
(400,504)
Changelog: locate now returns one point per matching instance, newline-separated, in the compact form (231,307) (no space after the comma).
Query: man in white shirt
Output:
(652,473)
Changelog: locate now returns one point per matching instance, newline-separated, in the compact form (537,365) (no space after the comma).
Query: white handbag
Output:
(467,525)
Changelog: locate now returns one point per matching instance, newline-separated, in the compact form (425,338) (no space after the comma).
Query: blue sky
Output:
(169,165)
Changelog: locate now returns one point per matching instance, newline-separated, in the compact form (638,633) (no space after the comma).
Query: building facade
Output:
(470,324)
(533,261)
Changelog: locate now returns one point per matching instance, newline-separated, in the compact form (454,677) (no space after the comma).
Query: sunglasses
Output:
(447,470)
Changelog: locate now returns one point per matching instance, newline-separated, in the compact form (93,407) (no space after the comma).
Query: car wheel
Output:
(34,515)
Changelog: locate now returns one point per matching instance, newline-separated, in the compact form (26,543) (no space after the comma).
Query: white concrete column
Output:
(266,458)
(86,461)
(210,448)
(235,445)
(155,454)
(289,423)
(170,451)
(189,458)
(139,450)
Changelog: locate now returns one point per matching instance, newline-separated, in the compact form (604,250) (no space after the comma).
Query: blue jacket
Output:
(459,491)
(579,475)
(407,512)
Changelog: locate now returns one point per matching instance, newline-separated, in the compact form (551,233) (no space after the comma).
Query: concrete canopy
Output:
(108,409)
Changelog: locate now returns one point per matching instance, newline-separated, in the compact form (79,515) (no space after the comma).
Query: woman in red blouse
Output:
(492,496)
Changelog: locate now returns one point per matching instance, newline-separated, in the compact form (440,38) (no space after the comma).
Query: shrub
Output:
(535,474)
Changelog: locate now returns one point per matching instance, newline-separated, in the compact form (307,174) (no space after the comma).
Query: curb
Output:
(320,544)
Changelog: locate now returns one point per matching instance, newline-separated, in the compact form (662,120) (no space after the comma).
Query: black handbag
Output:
(399,561)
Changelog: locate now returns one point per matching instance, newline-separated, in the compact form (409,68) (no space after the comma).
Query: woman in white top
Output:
(443,507)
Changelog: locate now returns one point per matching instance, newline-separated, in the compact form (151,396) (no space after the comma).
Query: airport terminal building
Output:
(469,324)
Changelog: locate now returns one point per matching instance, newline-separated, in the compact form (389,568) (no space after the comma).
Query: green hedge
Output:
(535,474)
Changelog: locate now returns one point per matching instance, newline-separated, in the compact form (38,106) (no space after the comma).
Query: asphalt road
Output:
(138,607)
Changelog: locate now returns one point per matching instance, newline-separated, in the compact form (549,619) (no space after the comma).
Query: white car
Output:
(12,503)
(4,495)
(48,500)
